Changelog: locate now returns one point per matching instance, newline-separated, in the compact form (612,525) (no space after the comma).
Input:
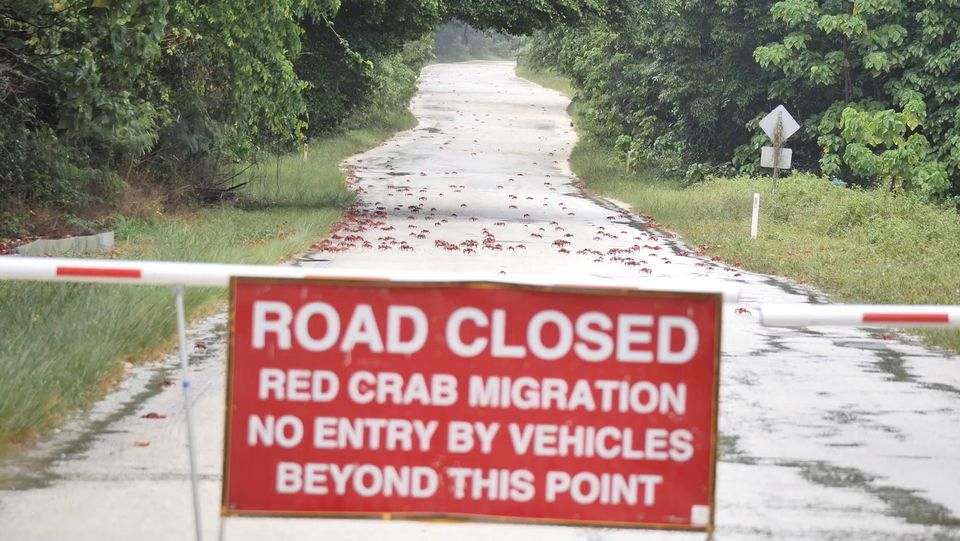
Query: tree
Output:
(674,80)
(341,54)
(858,62)
(176,91)
(520,17)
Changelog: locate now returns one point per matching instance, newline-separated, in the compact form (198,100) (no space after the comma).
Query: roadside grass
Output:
(856,246)
(64,345)
(546,78)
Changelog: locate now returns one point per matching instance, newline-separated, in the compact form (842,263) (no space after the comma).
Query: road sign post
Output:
(592,406)
(779,125)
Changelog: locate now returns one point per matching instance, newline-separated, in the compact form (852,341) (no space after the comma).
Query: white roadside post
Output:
(779,125)
(755,220)
(188,409)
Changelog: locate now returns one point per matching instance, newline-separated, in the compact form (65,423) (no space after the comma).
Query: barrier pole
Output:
(755,219)
(853,315)
(191,437)
(167,273)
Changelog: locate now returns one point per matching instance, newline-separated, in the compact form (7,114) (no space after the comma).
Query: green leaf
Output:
(877,61)
(796,40)
(795,12)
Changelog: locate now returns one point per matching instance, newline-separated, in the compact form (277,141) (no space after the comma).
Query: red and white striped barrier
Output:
(111,271)
(851,315)
(218,275)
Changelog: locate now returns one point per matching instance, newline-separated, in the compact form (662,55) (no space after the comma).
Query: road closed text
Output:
(547,335)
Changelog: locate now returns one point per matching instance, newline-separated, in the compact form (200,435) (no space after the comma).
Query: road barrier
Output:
(180,275)
(218,275)
(849,315)
(46,269)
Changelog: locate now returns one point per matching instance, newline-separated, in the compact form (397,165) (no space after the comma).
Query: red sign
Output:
(472,400)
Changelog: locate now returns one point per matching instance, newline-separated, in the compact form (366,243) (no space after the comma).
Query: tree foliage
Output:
(877,57)
(93,92)
(524,16)
(874,82)
(345,56)
(171,86)
(673,80)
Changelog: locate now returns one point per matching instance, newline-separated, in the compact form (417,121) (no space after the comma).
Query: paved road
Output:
(825,434)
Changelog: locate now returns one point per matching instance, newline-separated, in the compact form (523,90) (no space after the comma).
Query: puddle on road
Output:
(728,451)
(902,503)
(893,363)
(806,331)
(771,345)
(845,417)
(794,289)
(871,345)
(860,418)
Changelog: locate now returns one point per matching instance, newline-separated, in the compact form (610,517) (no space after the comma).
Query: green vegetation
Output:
(63,342)
(547,78)
(521,17)
(369,52)
(100,96)
(682,85)
(135,113)
(856,245)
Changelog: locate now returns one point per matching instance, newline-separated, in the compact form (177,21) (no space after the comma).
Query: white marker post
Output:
(755,221)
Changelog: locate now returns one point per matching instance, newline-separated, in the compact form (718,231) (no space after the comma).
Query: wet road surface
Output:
(826,434)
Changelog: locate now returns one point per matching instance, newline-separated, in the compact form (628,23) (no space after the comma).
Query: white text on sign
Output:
(592,336)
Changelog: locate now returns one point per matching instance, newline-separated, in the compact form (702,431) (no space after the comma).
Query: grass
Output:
(857,246)
(64,344)
(546,78)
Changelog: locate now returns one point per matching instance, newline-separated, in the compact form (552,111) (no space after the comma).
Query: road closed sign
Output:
(472,400)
